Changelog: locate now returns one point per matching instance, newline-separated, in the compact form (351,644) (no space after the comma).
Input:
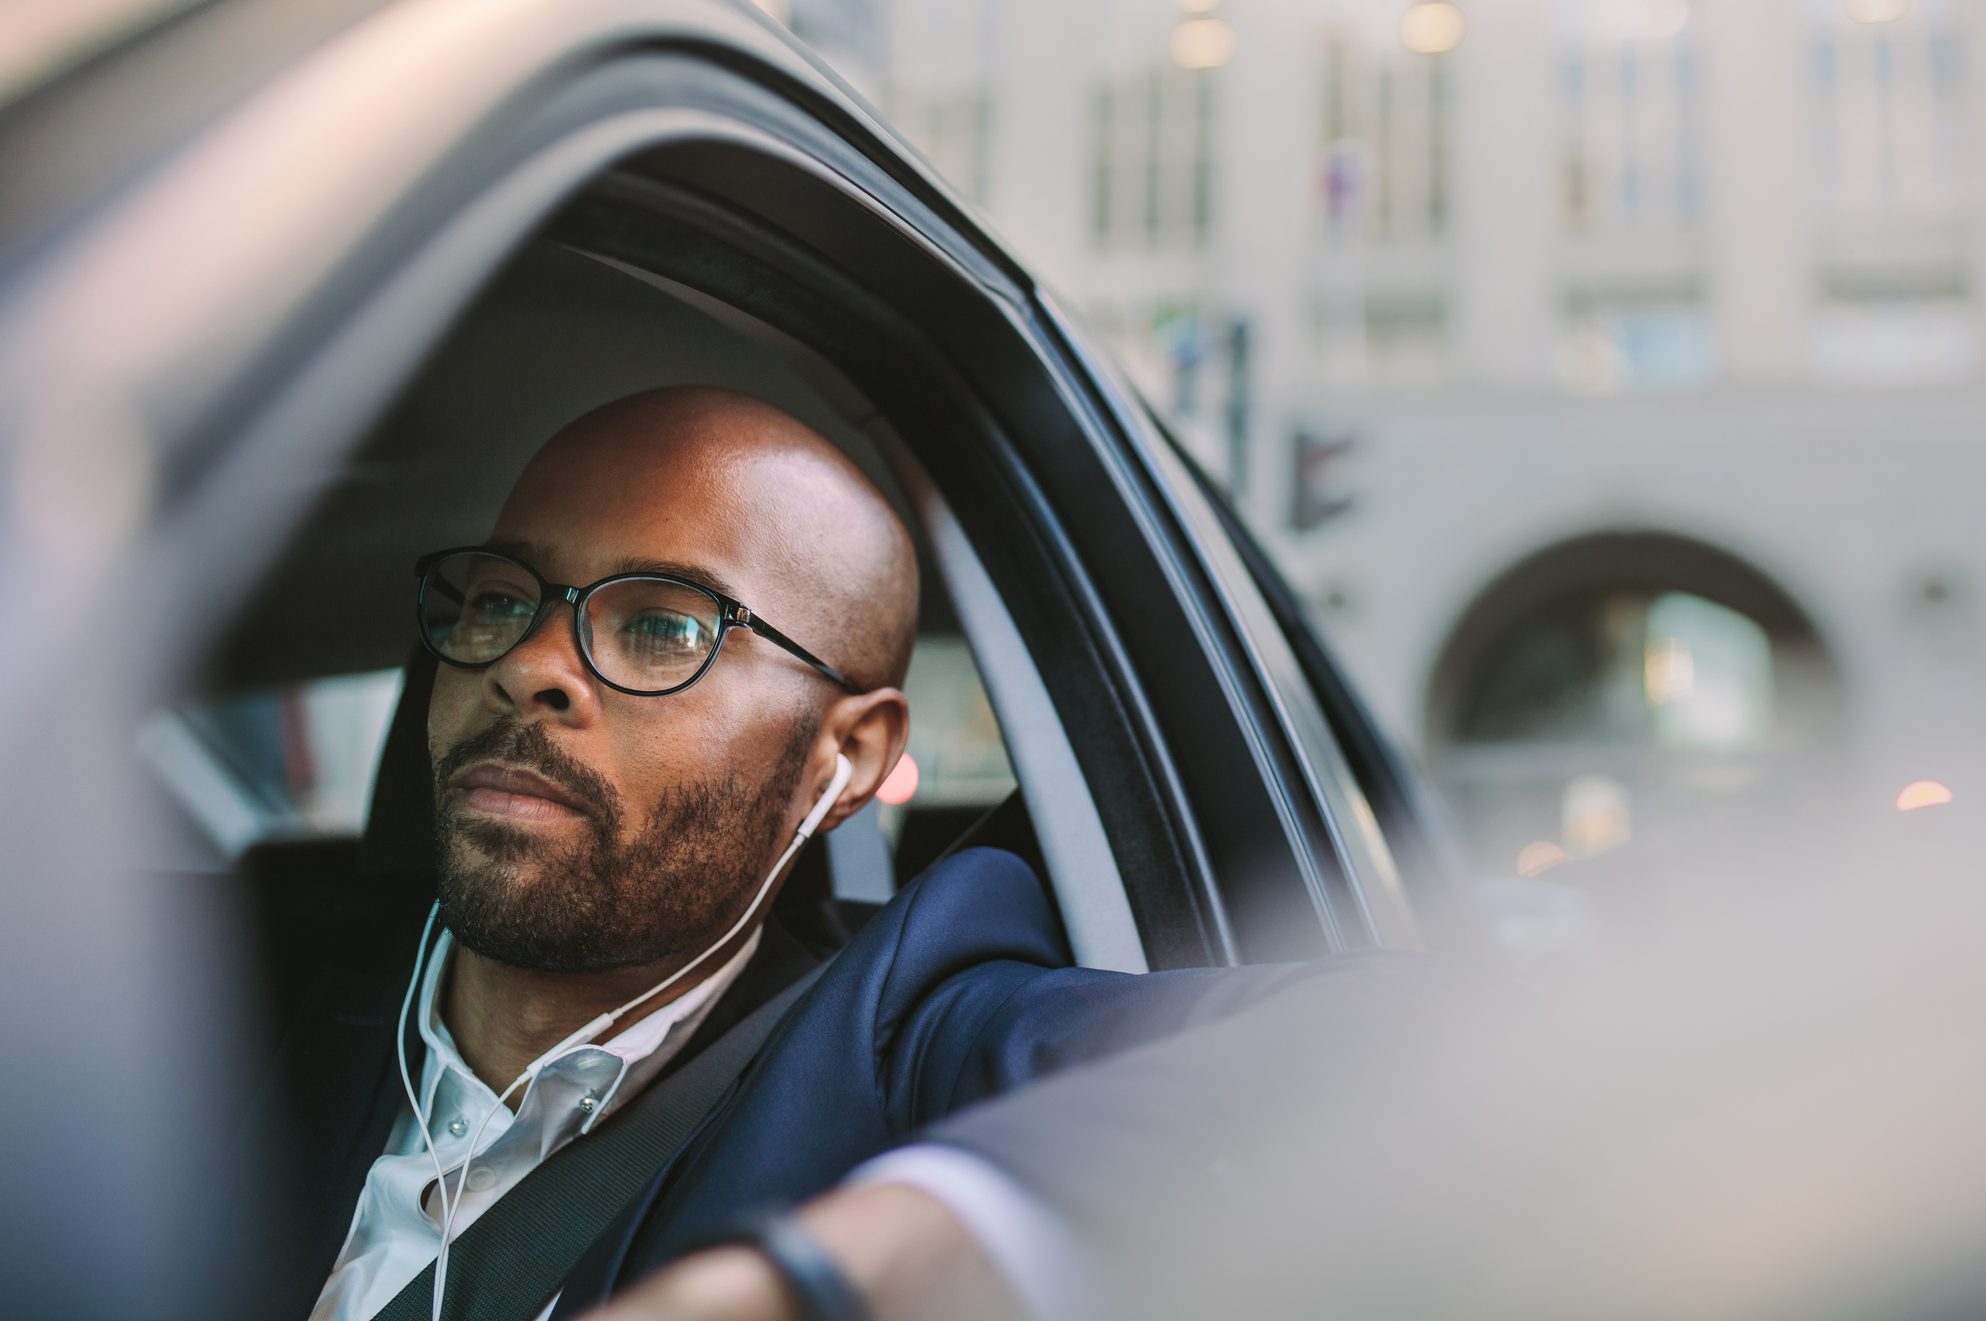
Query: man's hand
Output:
(901,1249)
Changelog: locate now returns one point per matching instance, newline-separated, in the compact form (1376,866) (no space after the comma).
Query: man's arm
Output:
(902,1250)
(1087,1151)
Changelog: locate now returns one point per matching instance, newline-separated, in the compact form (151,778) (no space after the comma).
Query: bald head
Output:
(585,828)
(827,559)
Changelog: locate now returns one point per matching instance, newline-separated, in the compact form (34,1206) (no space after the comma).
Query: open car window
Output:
(276,763)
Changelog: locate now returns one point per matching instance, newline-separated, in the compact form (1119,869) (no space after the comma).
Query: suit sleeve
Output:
(951,1036)
(962,1021)
(1096,1092)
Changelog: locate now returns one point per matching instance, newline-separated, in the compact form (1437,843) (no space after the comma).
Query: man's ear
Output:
(870,730)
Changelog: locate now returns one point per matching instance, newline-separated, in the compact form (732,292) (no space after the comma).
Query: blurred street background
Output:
(1606,373)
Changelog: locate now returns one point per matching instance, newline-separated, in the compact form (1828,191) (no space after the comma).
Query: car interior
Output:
(559,332)
(1104,655)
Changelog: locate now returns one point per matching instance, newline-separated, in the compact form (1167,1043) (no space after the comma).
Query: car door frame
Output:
(1219,786)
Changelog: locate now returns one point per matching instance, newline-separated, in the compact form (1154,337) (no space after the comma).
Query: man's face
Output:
(583,829)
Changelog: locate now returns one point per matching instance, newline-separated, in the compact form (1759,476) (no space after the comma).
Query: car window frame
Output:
(1405,808)
(251,366)
(1364,900)
(1193,831)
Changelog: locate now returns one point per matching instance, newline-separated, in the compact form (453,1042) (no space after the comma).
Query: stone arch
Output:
(1546,689)
(1562,575)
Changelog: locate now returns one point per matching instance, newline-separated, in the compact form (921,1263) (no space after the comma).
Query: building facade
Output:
(1607,373)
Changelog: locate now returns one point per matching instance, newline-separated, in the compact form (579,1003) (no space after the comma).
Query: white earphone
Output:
(844,770)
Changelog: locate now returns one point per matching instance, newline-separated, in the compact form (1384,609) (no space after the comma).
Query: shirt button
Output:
(457,1127)
(480,1178)
(589,1101)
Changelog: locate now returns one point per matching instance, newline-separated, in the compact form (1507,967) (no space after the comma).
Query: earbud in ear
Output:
(844,771)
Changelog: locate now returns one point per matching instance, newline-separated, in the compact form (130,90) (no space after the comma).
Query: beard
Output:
(613,899)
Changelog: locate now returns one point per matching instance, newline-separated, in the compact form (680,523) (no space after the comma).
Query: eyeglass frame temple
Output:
(731,613)
(740,615)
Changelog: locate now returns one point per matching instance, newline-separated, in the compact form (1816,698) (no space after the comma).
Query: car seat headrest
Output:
(399,825)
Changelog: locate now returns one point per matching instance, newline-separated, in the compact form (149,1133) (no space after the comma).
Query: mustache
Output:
(528,746)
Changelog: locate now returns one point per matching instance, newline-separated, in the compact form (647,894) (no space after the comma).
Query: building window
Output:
(1896,339)
(1152,158)
(1385,127)
(1630,103)
(1889,114)
(1387,342)
(1615,346)
(951,129)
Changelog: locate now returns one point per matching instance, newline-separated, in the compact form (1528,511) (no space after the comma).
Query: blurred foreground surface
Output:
(1755,1094)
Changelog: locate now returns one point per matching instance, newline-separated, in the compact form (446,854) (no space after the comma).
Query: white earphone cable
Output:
(450,1203)
(400,1049)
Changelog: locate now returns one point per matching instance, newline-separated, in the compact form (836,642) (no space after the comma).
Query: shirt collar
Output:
(635,1047)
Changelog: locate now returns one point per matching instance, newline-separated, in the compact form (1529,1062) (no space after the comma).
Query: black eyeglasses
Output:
(647,634)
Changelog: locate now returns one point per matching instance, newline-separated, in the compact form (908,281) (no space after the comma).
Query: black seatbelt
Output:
(514,1258)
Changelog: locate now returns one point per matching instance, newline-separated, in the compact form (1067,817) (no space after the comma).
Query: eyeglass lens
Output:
(646,634)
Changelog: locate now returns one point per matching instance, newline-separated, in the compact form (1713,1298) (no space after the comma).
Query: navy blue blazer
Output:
(958,990)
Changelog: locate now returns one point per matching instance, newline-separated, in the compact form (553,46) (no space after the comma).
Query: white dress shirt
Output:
(1030,1247)
(396,1228)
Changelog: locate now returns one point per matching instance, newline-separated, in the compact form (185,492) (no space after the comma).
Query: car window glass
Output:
(954,768)
(280,763)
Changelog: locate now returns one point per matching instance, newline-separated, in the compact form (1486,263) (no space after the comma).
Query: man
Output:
(623,768)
